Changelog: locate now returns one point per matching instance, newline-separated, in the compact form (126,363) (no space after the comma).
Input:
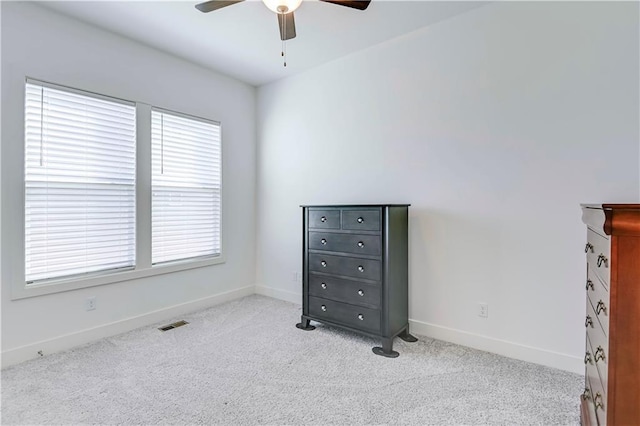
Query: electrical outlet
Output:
(90,303)
(483,310)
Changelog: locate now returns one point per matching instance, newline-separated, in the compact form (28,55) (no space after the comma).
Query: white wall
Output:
(44,45)
(494,125)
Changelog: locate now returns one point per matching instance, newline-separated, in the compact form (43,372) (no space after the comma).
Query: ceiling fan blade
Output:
(211,5)
(355,4)
(287,26)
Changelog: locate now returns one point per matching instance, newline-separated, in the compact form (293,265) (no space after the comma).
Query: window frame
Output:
(143,267)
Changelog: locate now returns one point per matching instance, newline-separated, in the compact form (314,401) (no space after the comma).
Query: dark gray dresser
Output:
(355,270)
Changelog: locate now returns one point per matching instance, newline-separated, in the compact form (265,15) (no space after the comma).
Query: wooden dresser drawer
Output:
(599,352)
(367,269)
(357,317)
(361,220)
(598,249)
(324,219)
(348,243)
(599,297)
(352,292)
(598,395)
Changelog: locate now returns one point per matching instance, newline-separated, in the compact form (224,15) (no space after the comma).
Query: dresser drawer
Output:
(599,347)
(594,379)
(367,269)
(352,316)
(361,220)
(599,297)
(598,250)
(353,292)
(324,219)
(598,395)
(348,243)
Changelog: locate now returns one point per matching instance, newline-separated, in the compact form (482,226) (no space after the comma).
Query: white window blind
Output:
(186,187)
(79,183)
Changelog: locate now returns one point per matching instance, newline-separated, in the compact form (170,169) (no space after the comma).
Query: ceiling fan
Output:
(283,8)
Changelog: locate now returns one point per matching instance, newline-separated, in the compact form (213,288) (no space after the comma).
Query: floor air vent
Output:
(173,325)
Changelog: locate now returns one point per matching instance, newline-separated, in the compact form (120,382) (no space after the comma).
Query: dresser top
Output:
(355,205)
(612,206)
(612,219)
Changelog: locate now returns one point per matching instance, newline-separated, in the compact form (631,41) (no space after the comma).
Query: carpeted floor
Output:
(245,363)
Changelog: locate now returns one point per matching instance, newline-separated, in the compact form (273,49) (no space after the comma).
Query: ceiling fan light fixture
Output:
(282,6)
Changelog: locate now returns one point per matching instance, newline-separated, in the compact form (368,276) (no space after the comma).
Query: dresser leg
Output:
(406,336)
(304,324)
(386,350)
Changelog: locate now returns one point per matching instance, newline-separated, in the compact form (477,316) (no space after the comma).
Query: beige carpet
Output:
(244,362)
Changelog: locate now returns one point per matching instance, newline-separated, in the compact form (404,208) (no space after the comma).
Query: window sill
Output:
(52,287)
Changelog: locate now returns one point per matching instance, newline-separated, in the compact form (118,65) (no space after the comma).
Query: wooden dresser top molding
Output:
(612,219)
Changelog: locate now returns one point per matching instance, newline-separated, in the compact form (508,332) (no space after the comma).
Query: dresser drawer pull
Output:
(323,263)
(360,293)
(586,394)
(588,247)
(324,286)
(599,355)
(323,242)
(600,307)
(324,308)
(360,219)
(589,285)
(588,322)
(597,403)
(361,317)
(587,358)
(361,268)
(360,244)
(602,260)
(323,219)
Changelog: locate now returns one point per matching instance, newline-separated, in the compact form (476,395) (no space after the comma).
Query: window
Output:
(186,187)
(80,155)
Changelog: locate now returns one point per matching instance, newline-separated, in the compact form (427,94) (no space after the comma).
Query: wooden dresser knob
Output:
(361,268)
(323,263)
(324,286)
(601,307)
(587,358)
(597,400)
(324,308)
(323,219)
(360,220)
(360,244)
(588,322)
(602,260)
(589,285)
(323,242)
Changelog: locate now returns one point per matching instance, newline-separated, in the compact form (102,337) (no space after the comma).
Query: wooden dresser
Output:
(355,270)
(612,319)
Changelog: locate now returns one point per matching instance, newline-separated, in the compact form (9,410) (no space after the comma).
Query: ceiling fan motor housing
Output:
(282,6)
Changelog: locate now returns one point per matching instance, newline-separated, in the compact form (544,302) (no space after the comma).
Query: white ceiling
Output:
(243,40)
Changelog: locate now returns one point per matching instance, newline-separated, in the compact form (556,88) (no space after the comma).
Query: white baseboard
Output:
(501,347)
(68,341)
(287,296)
